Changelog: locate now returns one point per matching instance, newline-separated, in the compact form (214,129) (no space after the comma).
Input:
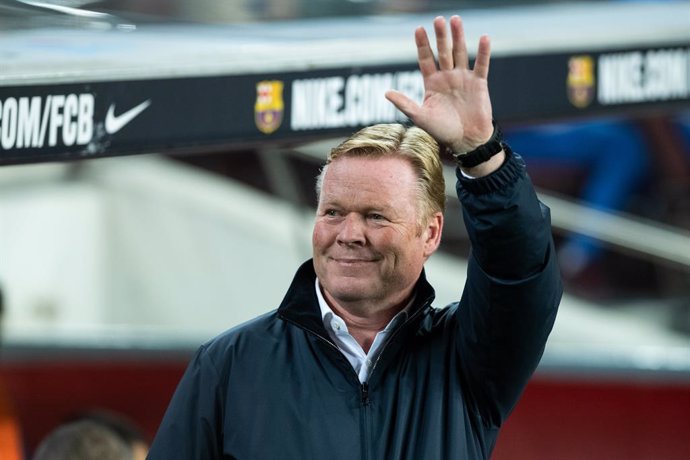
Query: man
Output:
(355,363)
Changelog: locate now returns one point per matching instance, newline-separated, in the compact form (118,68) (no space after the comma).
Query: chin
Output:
(349,290)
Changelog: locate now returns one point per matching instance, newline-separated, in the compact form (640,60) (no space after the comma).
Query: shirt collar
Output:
(327,313)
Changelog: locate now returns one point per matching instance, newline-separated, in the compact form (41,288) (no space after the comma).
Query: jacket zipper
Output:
(365,387)
(365,390)
(365,421)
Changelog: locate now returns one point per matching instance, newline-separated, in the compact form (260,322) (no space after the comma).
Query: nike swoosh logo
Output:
(114,123)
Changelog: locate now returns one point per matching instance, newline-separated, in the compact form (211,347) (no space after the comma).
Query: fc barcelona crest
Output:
(268,109)
(581,81)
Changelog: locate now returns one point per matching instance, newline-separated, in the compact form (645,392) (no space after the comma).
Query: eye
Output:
(375,216)
(331,213)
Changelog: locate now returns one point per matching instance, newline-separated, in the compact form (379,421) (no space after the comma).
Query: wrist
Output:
(483,152)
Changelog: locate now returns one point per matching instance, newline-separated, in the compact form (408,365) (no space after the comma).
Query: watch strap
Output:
(483,152)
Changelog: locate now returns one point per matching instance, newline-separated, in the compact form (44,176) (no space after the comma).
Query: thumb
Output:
(403,103)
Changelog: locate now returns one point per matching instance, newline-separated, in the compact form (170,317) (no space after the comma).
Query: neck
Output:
(365,321)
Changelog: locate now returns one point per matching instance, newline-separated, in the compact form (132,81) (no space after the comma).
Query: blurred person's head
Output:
(83,440)
(124,428)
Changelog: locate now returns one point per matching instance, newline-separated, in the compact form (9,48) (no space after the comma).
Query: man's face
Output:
(367,244)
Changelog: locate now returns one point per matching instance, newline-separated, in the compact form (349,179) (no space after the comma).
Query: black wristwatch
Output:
(483,152)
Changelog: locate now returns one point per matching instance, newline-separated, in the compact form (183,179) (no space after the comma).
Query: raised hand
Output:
(456,109)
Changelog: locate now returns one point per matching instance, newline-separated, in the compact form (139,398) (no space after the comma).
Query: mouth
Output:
(352,261)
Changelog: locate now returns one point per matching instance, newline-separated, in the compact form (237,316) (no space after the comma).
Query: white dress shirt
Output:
(337,330)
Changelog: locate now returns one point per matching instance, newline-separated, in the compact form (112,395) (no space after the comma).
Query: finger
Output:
(459,45)
(481,63)
(403,103)
(425,56)
(445,55)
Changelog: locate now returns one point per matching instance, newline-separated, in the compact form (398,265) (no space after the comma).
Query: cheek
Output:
(320,236)
(315,237)
(409,251)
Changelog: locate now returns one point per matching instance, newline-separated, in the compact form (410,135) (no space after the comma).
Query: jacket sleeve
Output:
(190,427)
(513,288)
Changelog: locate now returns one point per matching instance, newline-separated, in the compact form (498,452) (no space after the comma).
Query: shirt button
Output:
(336,325)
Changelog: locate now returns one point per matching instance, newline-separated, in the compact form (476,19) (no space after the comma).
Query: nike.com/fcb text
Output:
(56,120)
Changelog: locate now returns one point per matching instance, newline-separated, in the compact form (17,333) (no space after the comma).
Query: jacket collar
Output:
(300,304)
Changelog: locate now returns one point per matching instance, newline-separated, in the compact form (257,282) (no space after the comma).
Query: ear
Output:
(432,233)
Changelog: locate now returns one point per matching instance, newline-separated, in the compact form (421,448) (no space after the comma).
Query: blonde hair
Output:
(411,143)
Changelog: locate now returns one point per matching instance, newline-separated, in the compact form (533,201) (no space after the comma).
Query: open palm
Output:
(456,109)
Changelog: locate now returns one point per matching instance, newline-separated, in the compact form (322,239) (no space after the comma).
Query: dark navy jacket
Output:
(278,388)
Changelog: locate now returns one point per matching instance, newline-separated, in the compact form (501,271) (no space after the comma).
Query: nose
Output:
(352,230)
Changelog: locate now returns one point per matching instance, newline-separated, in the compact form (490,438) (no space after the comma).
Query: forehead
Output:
(378,172)
(374,182)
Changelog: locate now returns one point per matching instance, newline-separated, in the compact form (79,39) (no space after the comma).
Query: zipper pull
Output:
(365,394)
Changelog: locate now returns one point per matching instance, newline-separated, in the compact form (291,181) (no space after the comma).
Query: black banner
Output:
(91,120)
